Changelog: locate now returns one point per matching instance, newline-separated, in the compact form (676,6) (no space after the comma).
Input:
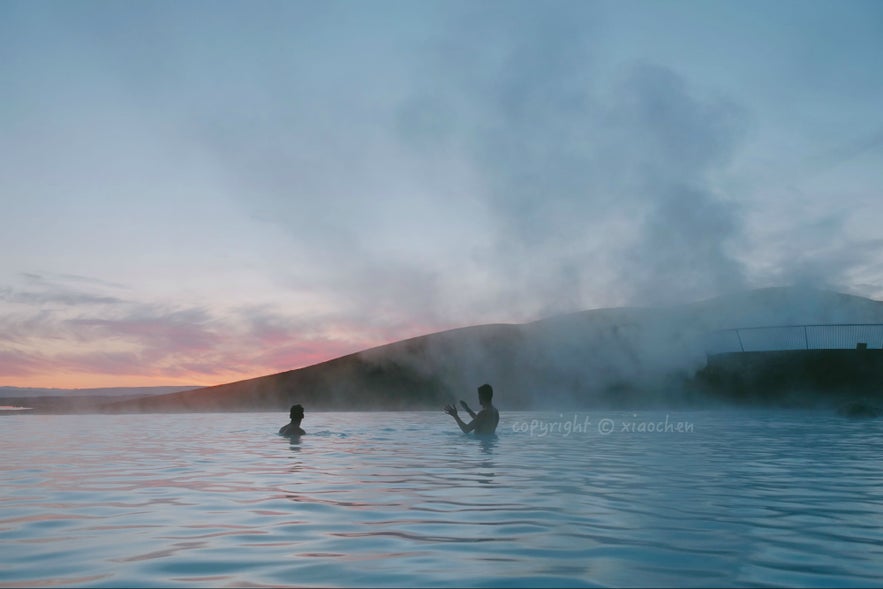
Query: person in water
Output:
(483,423)
(293,429)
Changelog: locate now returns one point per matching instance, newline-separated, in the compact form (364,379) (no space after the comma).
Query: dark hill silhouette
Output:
(618,357)
(387,377)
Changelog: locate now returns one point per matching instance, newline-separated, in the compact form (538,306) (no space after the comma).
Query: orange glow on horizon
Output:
(57,372)
(93,380)
(80,380)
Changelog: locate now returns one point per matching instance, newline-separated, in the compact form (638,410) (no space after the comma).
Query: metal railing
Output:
(839,336)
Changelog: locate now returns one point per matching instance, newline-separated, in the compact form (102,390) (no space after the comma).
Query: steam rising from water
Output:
(615,357)
(523,180)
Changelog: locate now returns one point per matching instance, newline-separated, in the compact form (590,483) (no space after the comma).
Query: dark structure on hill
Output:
(796,366)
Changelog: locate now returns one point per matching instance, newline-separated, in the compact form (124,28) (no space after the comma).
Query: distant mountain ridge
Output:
(616,357)
(26,392)
(43,400)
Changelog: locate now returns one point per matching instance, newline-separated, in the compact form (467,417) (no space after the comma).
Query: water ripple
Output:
(398,499)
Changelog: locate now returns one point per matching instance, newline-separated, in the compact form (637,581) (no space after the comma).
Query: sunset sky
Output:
(200,192)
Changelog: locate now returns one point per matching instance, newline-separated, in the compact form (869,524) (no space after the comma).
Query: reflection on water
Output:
(741,498)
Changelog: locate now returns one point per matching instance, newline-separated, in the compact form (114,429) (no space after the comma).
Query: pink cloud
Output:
(14,363)
(93,337)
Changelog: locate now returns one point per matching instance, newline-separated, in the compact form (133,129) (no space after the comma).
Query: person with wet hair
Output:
(485,421)
(293,429)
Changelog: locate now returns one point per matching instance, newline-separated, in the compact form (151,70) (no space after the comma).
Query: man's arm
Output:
(466,427)
(465,406)
(480,419)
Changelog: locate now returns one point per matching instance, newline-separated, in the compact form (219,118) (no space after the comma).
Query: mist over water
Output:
(618,357)
(403,499)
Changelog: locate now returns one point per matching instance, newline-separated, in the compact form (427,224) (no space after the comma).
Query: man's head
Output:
(297,412)
(485,394)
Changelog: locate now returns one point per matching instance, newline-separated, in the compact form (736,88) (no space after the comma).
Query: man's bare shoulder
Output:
(290,430)
(487,420)
(489,412)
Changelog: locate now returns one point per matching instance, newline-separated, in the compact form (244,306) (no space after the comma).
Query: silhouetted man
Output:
(293,429)
(485,422)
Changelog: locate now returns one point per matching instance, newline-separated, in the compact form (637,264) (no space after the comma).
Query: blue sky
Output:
(197,192)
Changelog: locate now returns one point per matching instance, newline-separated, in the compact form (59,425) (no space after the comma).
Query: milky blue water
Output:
(400,499)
